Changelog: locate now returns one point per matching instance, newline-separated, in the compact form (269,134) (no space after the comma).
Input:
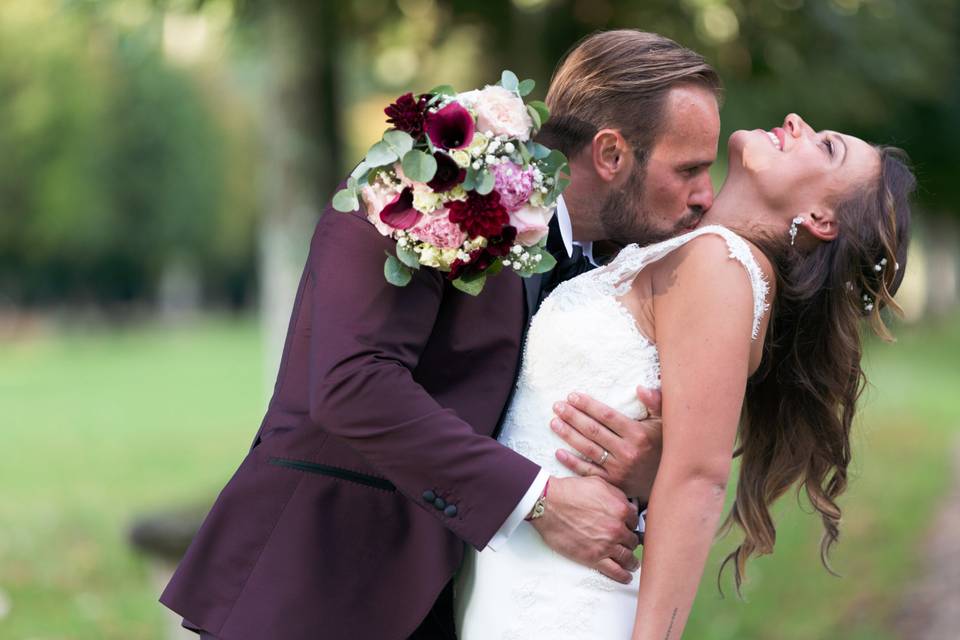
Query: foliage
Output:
(111,166)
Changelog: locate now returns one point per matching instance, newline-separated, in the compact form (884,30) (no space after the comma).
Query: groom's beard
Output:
(625,220)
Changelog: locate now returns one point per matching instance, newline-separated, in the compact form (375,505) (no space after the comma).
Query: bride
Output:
(750,327)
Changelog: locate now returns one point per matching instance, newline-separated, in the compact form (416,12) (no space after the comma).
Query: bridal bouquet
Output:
(460,185)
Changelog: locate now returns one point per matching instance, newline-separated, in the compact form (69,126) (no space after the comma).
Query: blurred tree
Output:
(111,169)
(114,163)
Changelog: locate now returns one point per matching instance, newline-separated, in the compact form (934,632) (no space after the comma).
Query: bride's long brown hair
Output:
(800,404)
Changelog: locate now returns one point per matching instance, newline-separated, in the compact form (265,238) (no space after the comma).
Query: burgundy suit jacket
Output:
(374,462)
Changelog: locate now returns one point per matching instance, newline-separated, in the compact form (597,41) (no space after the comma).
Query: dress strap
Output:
(620,273)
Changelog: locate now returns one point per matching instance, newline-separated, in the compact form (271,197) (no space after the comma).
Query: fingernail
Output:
(555,425)
(558,407)
(573,397)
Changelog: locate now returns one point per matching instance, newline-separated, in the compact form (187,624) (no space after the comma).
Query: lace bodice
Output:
(584,339)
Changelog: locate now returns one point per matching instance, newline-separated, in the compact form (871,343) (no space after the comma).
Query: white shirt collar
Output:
(566,233)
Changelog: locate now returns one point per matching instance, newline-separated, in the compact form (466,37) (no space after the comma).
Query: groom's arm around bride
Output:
(374,462)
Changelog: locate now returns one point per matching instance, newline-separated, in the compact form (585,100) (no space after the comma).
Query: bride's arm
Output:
(703,308)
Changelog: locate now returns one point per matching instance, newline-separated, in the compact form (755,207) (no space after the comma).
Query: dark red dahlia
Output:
(448,175)
(408,114)
(400,213)
(450,128)
(481,259)
(479,215)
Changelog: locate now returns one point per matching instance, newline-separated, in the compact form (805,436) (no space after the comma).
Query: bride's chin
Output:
(736,142)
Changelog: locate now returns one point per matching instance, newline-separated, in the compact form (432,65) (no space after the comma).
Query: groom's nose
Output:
(701,195)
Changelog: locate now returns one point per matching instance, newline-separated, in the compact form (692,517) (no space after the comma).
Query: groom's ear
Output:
(611,155)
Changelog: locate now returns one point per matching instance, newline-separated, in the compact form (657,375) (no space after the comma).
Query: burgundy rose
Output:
(481,259)
(448,175)
(400,213)
(408,114)
(450,128)
(479,215)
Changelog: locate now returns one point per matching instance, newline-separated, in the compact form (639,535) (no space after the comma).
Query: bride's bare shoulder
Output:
(709,260)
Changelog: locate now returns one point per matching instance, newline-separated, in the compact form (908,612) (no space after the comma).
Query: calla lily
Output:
(448,175)
(400,213)
(450,128)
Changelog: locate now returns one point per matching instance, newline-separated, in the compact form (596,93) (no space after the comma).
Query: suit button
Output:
(439,503)
(450,511)
(429,496)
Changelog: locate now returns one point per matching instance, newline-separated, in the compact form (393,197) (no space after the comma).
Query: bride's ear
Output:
(822,224)
(611,154)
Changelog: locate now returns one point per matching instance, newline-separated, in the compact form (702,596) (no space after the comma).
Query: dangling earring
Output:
(793,229)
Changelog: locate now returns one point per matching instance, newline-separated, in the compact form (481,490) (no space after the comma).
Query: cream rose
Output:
(531,223)
(502,112)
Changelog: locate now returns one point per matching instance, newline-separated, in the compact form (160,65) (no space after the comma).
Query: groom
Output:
(375,463)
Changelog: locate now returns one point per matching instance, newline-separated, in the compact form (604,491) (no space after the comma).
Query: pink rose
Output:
(502,112)
(513,183)
(531,223)
(436,229)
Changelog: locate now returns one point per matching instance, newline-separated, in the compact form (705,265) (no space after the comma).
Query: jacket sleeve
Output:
(366,342)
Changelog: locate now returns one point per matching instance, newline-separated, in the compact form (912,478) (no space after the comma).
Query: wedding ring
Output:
(603,458)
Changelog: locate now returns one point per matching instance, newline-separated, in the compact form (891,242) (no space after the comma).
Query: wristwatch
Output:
(540,506)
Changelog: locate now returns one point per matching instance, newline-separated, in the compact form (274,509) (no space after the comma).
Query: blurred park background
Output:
(163,162)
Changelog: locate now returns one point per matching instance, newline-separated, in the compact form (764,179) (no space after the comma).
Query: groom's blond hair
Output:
(619,80)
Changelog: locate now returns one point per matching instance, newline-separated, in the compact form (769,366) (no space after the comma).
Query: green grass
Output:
(98,428)
(101,426)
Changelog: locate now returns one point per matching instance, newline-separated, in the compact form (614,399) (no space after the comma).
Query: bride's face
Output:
(794,169)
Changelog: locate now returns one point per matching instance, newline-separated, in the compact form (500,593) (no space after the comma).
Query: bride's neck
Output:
(744,215)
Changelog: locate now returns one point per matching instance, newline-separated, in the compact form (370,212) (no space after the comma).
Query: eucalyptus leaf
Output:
(486,182)
(494,269)
(419,166)
(360,169)
(443,90)
(547,262)
(472,286)
(408,256)
(541,108)
(399,141)
(470,181)
(509,80)
(525,153)
(535,116)
(345,200)
(554,161)
(538,150)
(397,273)
(525,87)
(381,154)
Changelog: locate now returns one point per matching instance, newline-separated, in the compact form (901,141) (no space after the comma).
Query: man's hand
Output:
(633,446)
(591,523)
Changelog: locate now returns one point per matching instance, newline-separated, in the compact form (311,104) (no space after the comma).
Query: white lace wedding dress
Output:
(581,339)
